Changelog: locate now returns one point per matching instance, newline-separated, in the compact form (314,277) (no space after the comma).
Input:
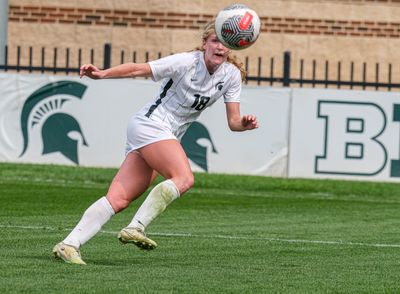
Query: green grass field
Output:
(229,234)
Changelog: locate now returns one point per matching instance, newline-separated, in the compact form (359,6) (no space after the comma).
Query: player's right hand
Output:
(90,71)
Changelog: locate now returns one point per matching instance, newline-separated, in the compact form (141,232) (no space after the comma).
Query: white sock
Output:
(91,222)
(156,202)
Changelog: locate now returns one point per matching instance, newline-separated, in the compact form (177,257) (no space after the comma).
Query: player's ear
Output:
(204,44)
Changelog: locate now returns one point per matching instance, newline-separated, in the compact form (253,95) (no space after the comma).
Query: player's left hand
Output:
(249,122)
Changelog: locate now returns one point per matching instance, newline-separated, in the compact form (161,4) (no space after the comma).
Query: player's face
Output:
(214,53)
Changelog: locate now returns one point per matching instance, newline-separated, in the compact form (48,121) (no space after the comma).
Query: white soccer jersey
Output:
(188,88)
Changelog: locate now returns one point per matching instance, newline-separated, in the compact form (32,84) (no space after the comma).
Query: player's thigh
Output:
(168,158)
(132,179)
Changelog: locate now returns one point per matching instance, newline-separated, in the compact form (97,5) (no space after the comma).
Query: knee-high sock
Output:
(156,202)
(91,222)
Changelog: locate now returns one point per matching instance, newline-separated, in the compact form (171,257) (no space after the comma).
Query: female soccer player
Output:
(192,81)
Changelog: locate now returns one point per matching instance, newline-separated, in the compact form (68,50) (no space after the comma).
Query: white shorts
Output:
(143,131)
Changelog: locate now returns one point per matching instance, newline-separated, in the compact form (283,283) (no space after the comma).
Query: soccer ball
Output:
(237,26)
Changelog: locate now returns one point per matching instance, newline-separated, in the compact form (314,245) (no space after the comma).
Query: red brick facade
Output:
(194,21)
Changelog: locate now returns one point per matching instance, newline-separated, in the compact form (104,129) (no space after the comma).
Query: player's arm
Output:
(126,70)
(237,122)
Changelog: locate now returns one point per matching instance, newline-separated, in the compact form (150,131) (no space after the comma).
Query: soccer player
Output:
(192,81)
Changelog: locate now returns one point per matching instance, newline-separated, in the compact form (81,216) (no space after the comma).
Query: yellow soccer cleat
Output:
(68,253)
(136,236)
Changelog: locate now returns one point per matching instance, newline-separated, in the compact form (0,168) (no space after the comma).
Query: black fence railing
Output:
(284,73)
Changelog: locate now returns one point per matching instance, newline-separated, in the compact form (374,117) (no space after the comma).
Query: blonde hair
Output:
(209,29)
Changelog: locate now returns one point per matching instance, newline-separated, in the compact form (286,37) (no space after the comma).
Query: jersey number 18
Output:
(200,102)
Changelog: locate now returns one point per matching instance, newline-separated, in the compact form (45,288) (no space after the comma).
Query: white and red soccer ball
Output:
(237,26)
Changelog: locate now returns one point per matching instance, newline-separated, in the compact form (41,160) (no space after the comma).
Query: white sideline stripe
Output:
(188,235)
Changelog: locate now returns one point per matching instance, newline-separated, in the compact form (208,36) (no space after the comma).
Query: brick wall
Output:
(194,21)
(313,30)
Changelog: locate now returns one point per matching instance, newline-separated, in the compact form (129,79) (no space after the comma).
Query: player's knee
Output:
(118,203)
(190,181)
(186,182)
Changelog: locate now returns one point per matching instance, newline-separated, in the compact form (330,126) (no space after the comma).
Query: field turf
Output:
(229,234)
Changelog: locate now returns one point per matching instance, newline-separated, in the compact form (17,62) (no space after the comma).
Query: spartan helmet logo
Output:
(196,152)
(45,104)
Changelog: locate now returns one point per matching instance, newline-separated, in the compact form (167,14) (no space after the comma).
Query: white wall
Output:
(104,110)
(308,133)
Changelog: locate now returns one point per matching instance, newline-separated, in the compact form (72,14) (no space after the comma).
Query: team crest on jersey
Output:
(43,109)
(194,151)
(219,85)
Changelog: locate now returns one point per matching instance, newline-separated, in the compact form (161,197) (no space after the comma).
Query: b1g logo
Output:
(353,143)
(43,108)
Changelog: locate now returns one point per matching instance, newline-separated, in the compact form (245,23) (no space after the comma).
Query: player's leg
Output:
(132,179)
(169,159)
(90,224)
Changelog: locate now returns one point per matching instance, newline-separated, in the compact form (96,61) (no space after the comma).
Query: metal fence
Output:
(282,72)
